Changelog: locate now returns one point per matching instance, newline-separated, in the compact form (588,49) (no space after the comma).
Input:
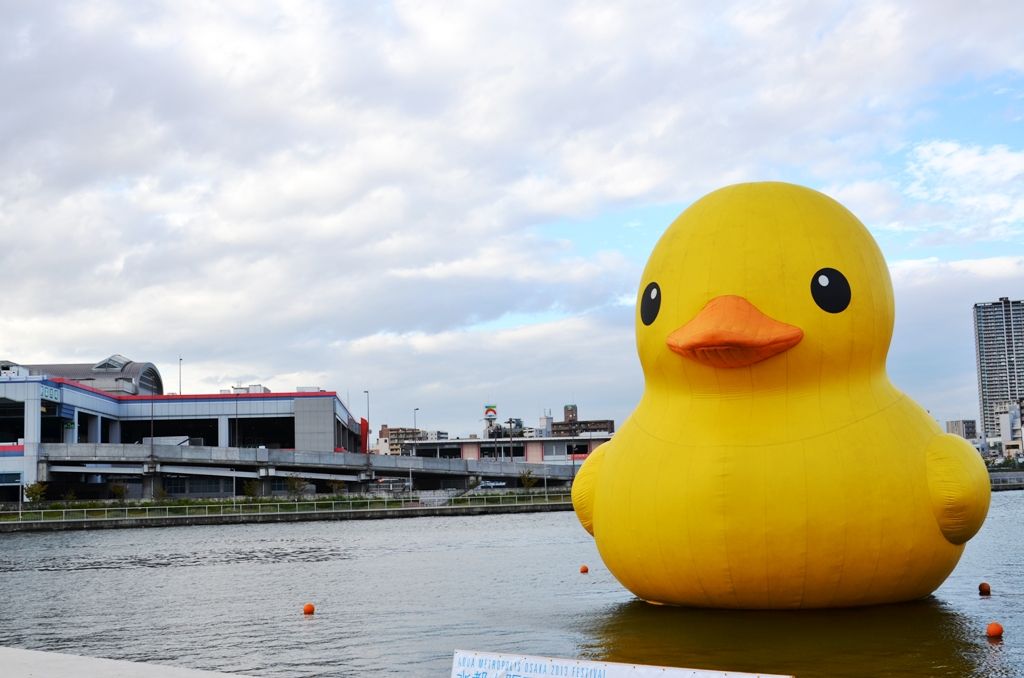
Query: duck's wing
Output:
(584,486)
(959,487)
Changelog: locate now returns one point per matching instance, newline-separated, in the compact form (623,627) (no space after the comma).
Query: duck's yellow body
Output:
(770,462)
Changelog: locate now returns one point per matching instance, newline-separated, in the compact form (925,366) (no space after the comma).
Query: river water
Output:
(396,597)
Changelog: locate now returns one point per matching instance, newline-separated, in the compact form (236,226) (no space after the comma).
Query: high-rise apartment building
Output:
(999,338)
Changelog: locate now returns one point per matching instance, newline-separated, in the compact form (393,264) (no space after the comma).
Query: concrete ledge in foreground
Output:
(290,517)
(34,664)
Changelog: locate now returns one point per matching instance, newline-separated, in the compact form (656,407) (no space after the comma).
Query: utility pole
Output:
(416,436)
(369,431)
(510,439)
(369,425)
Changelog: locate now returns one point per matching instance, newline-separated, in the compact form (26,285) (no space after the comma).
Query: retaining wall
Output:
(291,517)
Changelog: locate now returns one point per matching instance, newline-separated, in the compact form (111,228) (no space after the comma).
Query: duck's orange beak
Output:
(732,332)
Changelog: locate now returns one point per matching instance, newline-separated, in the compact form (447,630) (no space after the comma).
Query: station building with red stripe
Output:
(121,401)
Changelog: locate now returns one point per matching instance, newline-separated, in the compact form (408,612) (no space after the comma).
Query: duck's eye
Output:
(831,290)
(650,303)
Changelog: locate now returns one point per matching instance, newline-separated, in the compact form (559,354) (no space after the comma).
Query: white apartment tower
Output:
(999,338)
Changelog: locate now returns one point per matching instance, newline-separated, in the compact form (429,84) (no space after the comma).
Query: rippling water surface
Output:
(396,597)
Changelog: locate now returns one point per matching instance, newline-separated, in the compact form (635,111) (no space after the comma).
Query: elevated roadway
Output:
(247,463)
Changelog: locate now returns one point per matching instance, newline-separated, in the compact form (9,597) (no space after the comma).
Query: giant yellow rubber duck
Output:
(770,462)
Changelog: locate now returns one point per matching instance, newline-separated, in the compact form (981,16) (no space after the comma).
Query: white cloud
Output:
(274,189)
(982,187)
(924,272)
(879,204)
(947,193)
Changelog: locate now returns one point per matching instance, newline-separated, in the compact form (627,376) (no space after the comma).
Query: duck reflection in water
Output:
(919,638)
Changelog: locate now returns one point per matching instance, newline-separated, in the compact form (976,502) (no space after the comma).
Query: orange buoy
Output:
(994,630)
(984,589)
(584,569)
(308,608)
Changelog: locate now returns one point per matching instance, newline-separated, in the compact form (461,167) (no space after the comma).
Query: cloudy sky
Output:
(449,204)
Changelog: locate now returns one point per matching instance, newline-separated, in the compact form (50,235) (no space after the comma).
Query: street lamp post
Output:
(369,426)
(179,375)
(416,436)
(573,479)
(510,458)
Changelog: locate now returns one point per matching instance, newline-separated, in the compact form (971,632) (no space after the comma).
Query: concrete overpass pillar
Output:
(42,472)
(93,435)
(223,431)
(150,484)
(32,434)
(33,423)
(115,431)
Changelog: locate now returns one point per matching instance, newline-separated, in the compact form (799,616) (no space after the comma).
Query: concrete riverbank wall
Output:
(289,517)
(1000,482)
(1007,480)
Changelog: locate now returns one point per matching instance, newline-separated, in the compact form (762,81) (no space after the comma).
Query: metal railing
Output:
(1007,480)
(261,508)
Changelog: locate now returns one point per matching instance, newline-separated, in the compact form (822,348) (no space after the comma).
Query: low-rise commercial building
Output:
(1010,431)
(393,439)
(572,425)
(552,450)
(87,429)
(965,428)
(123,402)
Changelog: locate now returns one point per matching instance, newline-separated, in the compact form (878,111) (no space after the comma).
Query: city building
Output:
(551,450)
(965,428)
(1009,421)
(86,430)
(513,427)
(574,426)
(544,428)
(119,401)
(1013,449)
(115,374)
(392,439)
(999,341)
